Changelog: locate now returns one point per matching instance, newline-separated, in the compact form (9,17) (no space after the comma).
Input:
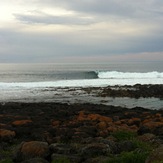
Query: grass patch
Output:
(61,160)
(129,157)
(5,156)
(124,135)
(140,153)
(6,161)
(142,145)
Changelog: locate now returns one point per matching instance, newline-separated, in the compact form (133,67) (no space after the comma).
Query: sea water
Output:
(48,82)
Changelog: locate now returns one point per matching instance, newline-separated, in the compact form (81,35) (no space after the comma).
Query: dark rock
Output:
(65,134)
(126,146)
(95,149)
(143,129)
(112,145)
(62,149)
(158,131)
(89,130)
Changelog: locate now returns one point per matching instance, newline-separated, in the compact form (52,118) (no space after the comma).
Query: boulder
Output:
(32,149)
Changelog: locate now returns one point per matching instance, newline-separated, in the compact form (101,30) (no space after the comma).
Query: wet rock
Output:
(156,155)
(7,135)
(32,149)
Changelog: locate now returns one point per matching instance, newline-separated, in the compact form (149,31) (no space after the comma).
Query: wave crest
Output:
(129,75)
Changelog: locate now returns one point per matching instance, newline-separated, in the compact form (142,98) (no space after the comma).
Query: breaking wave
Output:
(92,78)
(129,75)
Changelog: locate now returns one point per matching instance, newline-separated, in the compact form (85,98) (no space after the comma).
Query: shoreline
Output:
(147,96)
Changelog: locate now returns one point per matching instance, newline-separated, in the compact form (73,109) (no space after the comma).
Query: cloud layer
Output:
(60,30)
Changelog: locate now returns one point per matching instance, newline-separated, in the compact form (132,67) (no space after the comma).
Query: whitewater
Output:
(65,83)
(104,78)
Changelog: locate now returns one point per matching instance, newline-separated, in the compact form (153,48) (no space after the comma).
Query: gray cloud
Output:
(127,8)
(137,28)
(53,47)
(50,19)
(94,11)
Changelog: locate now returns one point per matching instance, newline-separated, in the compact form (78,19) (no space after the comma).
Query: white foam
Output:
(49,91)
(80,83)
(130,75)
(108,78)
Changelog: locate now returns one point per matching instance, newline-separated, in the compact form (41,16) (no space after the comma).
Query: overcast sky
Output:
(81,30)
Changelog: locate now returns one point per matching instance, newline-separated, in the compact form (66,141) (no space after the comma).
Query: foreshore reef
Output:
(83,133)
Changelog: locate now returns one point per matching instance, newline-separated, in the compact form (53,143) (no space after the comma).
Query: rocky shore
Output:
(135,91)
(79,133)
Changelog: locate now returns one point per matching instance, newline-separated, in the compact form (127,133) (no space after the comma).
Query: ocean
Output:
(52,82)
